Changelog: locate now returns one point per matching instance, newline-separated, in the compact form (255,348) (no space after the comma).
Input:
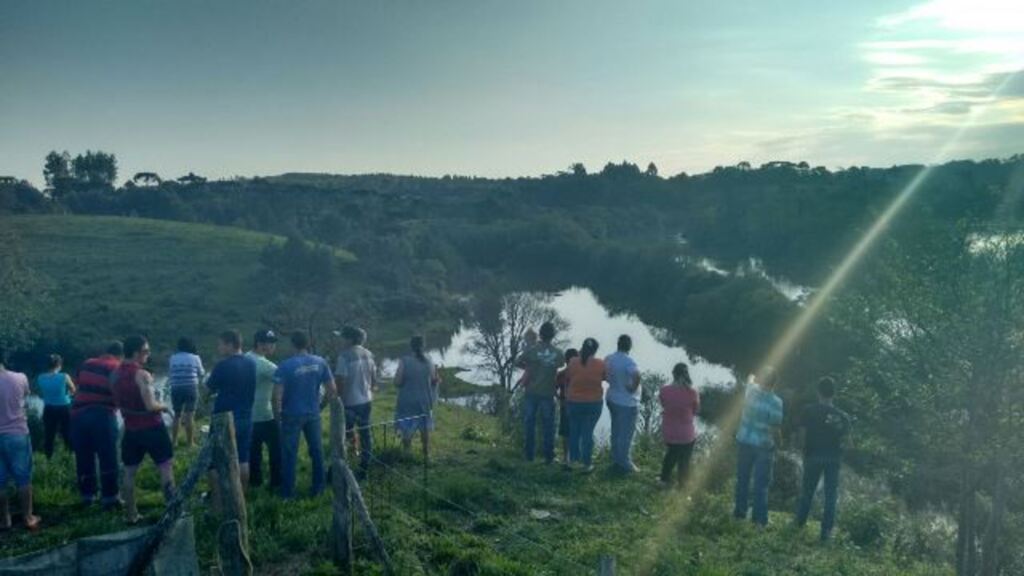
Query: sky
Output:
(494,88)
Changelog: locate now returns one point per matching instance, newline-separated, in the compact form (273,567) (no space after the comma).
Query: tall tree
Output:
(57,171)
(95,168)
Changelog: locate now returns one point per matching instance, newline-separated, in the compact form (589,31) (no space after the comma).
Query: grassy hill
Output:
(113,276)
(491,513)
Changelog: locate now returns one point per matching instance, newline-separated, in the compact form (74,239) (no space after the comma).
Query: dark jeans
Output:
(291,428)
(94,434)
(583,417)
(676,456)
(359,416)
(56,419)
(814,469)
(269,434)
(534,406)
(756,462)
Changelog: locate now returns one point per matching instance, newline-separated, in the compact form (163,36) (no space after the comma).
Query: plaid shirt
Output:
(762,410)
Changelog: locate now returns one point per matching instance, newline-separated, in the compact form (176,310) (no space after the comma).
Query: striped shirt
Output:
(94,386)
(185,370)
(762,411)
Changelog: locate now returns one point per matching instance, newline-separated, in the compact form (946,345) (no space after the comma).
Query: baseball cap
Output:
(265,337)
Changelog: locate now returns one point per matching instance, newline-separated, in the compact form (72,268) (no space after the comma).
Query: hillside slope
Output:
(113,276)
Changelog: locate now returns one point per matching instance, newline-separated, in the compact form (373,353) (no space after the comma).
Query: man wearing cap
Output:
(265,428)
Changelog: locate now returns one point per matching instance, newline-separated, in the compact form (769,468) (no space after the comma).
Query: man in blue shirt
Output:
(762,415)
(233,380)
(297,384)
(623,398)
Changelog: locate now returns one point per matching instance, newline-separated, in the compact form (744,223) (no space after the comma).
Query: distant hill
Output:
(114,276)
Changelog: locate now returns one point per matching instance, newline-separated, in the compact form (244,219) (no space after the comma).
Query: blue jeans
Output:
(15,460)
(533,406)
(814,469)
(583,417)
(94,437)
(623,429)
(291,428)
(757,462)
(360,416)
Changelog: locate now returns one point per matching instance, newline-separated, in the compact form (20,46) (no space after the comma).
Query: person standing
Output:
(15,445)
(585,394)
(266,430)
(233,380)
(94,427)
(825,427)
(623,400)
(541,361)
(56,389)
(417,381)
(297,384)
(144,430)
(356,375)
(183,377)
(561,389)
(680,403)
(762,415)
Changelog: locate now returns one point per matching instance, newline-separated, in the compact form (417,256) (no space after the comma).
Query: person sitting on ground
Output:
(56,389)
(297,385)
(266,430)
(356,375)
(144,430)
(762,415)
(561,386)
(94,427)
(233,380)
(623,399)
(586,395)
(825,427)
(680,403)
(417,381)
(183,377)
(15,445)
(542,362)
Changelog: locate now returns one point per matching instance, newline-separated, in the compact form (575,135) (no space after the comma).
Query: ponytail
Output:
(417,343)
(588,350)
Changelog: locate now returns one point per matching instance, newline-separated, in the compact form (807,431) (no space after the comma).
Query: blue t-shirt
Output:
(619,371)
(301,377)
(234,381)
(54,389)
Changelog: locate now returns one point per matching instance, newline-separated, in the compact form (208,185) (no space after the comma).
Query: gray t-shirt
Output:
(355,375)
(541,363)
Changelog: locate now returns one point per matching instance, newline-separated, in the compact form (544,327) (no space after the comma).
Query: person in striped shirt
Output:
(94,427)
(183,376)
(762,416)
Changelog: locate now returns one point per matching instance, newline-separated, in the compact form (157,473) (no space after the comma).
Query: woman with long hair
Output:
(417,381)
(585,396)
(680,403)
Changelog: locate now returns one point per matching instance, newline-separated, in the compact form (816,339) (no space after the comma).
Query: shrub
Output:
(868,524)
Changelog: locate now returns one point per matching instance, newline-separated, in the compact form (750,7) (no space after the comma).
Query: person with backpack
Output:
(825,427)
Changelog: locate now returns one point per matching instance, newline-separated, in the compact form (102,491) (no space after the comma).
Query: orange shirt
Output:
(585,381)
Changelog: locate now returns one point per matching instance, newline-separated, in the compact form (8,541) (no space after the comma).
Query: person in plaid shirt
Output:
(762,415)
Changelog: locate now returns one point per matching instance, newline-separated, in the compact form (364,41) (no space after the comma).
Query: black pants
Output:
(56,419)
(676,455)
(265,433)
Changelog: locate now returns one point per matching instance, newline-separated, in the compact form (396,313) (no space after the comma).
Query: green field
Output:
(488,512)
(113,276)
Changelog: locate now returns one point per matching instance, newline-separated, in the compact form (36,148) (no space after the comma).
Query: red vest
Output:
(129,399)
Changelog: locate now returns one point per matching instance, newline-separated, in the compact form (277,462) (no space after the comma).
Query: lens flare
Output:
(679,504)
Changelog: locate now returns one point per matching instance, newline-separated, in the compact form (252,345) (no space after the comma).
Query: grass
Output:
(488,512)
(114,276)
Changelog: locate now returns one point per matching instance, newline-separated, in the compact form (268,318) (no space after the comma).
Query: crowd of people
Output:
(274,406)
(575,380)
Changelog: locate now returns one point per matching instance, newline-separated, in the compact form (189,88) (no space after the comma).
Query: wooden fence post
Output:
(341,520)
(607,566)
(233,535)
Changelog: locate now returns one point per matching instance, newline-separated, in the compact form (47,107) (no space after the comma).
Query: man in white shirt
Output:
(623,398)
(356,375)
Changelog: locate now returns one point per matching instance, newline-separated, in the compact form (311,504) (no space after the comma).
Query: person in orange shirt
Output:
(585,396)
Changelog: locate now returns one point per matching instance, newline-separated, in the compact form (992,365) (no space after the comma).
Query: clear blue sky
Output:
(505,88)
